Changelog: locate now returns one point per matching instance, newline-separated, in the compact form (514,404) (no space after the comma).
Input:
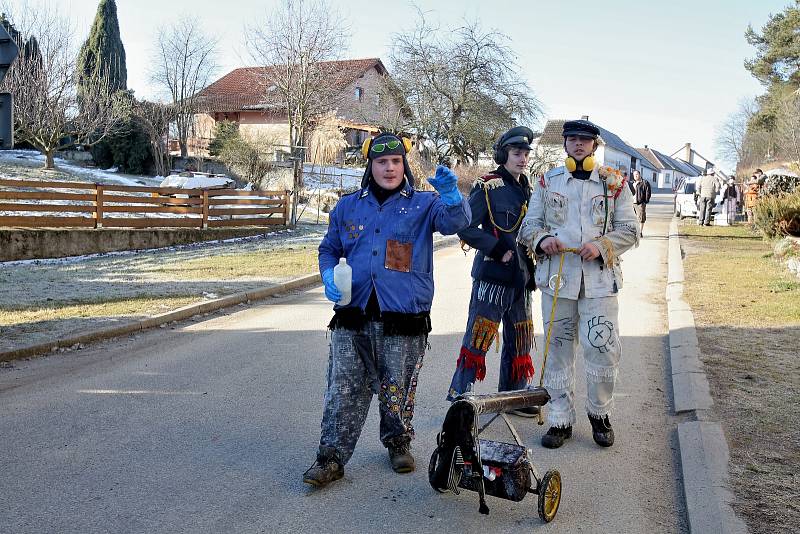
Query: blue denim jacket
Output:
(359,230)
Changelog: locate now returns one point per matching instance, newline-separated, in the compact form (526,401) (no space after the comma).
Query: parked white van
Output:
(686,203)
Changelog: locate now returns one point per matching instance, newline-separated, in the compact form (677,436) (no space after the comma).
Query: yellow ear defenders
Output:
(572,165)
(367,144)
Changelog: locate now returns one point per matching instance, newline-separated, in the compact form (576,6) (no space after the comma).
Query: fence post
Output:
(204,222)
(98,214)
(285,207)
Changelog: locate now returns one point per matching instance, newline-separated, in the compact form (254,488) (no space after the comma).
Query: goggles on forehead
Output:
(380,147)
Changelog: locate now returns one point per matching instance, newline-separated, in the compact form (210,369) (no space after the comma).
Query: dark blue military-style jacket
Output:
(507,200)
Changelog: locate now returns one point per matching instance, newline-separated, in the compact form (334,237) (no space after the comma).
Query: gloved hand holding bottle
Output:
(446,184)
(332,292)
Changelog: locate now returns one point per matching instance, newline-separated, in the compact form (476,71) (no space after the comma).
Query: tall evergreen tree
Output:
(103,54)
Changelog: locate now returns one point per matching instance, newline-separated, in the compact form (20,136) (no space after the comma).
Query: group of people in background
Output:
(737,198)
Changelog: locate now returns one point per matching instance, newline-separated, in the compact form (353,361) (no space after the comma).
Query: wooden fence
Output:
(42,204)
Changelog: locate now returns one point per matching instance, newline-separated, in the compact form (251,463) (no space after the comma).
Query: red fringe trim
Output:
(471,360)
(522,367)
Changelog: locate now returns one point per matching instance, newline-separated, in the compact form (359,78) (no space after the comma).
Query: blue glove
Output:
(331,291)
(446,184)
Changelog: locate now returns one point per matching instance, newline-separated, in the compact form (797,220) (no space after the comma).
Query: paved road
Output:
(208,426)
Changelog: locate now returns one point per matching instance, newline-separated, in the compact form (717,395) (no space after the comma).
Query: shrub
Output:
(251,160)
(779,184)
(223,131)
(778,215)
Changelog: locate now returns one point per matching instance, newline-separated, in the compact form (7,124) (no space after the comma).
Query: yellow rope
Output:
(552,318)
(491,215)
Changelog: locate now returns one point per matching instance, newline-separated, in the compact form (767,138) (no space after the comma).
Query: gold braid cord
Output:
(517,224)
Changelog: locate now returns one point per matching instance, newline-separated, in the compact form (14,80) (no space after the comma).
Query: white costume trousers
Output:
(592,324)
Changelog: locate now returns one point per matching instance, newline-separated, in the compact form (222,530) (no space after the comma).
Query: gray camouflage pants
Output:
(363,363)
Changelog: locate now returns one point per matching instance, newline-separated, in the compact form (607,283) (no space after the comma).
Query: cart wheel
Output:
(432,470)
(549,495)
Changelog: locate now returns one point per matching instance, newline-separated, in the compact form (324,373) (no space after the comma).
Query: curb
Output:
(703,447)
(176,315)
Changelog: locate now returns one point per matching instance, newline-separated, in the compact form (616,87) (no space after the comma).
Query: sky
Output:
(656,73)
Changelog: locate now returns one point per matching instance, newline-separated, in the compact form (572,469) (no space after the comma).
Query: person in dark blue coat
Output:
(502,273)
(385,230)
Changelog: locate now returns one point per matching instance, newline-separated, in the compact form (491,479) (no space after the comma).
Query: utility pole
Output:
(8,54)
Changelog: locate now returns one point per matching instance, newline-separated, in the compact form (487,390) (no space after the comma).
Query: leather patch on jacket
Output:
(398,256)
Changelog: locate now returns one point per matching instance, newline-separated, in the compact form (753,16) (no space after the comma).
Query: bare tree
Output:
(788,126)
(731,135)
(462,86)
(545,157)
(155,119)
(184,64)
(291,44)
(48,113)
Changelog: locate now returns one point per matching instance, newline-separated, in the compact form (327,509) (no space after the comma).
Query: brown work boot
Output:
(401,458)
(326,469)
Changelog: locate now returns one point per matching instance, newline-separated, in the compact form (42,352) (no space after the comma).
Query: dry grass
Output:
(287,262)
(130,307)
(747,309)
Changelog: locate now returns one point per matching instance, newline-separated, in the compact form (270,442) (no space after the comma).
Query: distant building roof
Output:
(664,162)
(247,88)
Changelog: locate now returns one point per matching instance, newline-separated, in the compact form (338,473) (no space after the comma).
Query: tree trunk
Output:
(184,150)
(49,160)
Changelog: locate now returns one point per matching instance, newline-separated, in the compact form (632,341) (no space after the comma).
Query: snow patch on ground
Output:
(95,175)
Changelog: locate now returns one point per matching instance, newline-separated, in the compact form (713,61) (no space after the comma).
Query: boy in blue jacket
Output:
(385,230)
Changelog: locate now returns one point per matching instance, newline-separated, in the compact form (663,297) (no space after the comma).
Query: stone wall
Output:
(26,244)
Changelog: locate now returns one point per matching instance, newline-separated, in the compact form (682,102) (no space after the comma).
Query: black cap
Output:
(582,128)
(519,136)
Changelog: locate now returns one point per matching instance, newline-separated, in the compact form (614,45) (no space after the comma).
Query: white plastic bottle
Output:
(343,278)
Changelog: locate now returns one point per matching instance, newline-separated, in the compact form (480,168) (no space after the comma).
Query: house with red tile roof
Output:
(246,96)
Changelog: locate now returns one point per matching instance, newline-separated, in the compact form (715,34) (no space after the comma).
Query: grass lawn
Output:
(49,301)
(135,306)
(277,263)
(747,310)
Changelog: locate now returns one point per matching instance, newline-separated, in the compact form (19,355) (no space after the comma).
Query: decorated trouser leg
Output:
(489,305)
(516,365)
(363,363)
(593,324)
(399,363)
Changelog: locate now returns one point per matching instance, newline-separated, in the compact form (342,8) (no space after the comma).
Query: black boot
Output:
(326,469)
(602,432)
(400,456)
(556,437)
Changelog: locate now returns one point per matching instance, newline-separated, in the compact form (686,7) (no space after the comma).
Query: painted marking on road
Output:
(137,392)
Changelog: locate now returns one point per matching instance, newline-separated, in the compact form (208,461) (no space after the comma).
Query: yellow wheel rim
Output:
(552,495)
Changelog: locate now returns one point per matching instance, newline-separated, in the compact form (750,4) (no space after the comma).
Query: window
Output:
(359,94)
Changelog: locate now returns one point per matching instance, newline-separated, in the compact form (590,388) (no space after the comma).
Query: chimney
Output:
(645,147)
(688,152)
(585,117)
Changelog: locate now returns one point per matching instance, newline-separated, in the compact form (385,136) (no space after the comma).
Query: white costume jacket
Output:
(576,211)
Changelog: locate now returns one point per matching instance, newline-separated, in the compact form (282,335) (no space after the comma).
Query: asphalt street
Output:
(208,426)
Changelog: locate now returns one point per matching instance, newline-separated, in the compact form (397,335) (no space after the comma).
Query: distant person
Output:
(730,199)
(641,196)
(707,194)
(385,230)
(761,178)
(750,197)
